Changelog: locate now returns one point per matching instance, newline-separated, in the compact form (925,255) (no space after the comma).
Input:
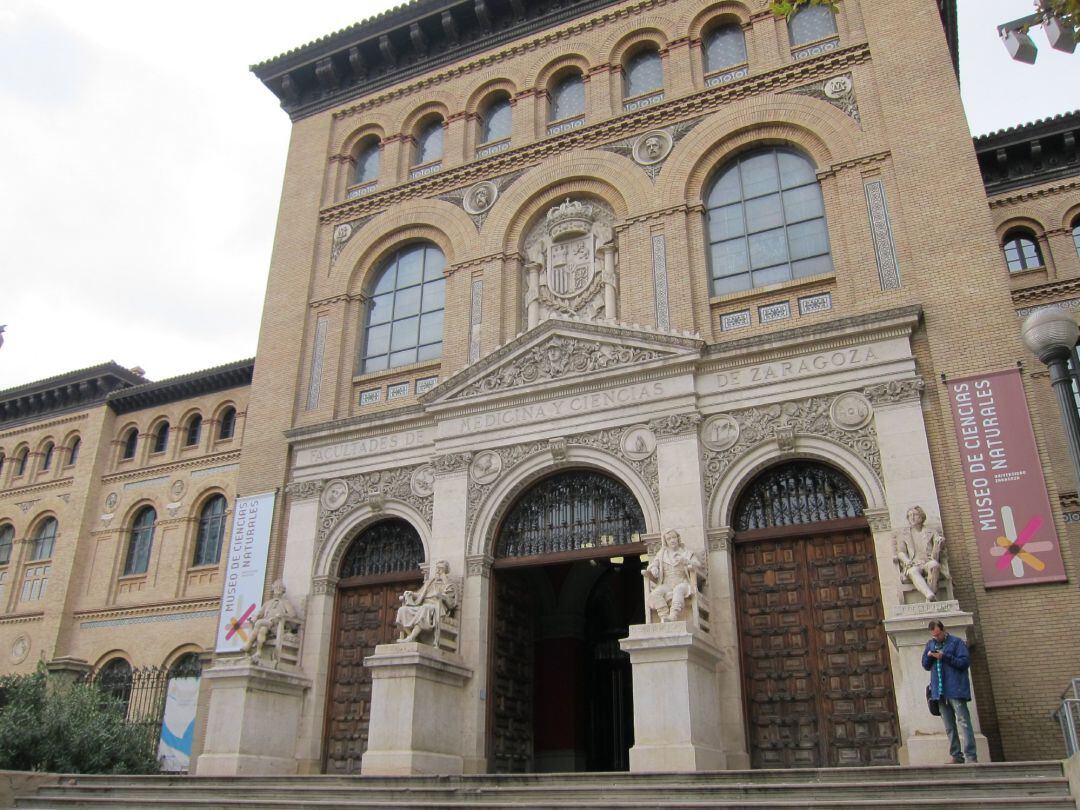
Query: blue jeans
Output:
(954,713)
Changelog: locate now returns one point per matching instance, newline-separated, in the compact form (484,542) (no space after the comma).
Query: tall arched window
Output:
(725,47)
(44,540)
(766,221)
(228,423)
(161,438)
(7,539)
(194,431)
(1021,250)
(73,450)
(21,461)
(567,97)
(116,678)
(131,439)
(1076,234)
(643,73)
(496,119)
(810,24)
(405,313)
(3,458)
(211,532)
(140,542)
(367,161)
(429,142)
(47,456)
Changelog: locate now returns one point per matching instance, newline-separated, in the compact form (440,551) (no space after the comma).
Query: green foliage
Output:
(1067,10)
(69,729)
(788,8)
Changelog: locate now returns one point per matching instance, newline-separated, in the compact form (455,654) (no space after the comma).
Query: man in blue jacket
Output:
(946,658)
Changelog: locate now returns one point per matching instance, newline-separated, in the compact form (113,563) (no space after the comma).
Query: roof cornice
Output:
(220,378)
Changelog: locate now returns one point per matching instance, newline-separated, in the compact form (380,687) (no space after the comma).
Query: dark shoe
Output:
(954,761)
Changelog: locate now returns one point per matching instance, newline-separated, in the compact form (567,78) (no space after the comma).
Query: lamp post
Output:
(1051,334)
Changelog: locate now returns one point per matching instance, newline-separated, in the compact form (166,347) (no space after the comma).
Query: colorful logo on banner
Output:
(1010,509)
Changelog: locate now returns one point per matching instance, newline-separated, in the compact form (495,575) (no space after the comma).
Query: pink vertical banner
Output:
(1006,490)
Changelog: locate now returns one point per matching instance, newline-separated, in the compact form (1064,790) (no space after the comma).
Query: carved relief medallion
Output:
(638,442)
(335,494)
(720,432)
(486,467)
(342,232)
(111,500)
(20,648)
(652,147)
(851,411)
(422,482)
(480,198)
(177,489)
(837,87)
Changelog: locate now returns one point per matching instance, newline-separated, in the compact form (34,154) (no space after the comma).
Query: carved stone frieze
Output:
(478,199)
(675,425)
(554,359)
(783,423)
(891,393)
(304,490)
(838,91)
(343,233)
(451,463)
(651,150)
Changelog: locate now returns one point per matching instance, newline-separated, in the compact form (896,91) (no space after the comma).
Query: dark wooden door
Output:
(364,618)
(816,676)
(512,673)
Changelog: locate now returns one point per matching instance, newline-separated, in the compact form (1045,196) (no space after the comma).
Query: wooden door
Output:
(512,672)
(817,684)
(364,618)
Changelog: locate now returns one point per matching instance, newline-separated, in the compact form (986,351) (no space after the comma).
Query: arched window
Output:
(367,161)
(187,665)
(43,541)
(140,542)
(567,97)
(3,458)
(194,431)
(643,73)
(496,120)
(47,456)
(1021,251)
(211,532)
(796,494)
(1076,234)
(766,221)
(131,439)
(725,47)
(7,539)
(387,547)
(115,678)
(73,451)
(228,423)
(810,24)
(161,438)
(429,142)
(21,460)
(405,314)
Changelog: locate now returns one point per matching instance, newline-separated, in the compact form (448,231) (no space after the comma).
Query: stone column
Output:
(475,647)
(532,300)
(610,280)
(923,740)
(65,672)
(676,712)
(722,586)
(315,660)
(417,709)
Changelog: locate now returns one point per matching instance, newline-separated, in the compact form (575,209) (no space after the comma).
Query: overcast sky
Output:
(141,164)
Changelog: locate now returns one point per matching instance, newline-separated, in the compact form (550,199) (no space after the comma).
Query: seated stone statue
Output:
(423,610)
(917,554)
(674,572)
(270,623)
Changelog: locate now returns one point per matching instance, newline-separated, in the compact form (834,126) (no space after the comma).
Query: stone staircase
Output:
(1025,785)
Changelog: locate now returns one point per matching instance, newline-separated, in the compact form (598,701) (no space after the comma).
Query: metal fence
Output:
(1069,717)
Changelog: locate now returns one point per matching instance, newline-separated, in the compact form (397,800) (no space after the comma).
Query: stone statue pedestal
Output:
(676,700)
(923,735)
(253,719)
(417,711)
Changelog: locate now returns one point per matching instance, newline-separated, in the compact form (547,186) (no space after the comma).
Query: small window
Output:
(725,46)
(367,162)
(429,142)
(44,539)
(47,456)
(567,98)
(1022,251)
(812,23)
(496,121)
(194,431)
(7,539)
(644,73)
(73,451)
(1076,234)
(140,543)
(131,439)
(228,423)
(20,462)
(211,532)
(405,310)
(161,437)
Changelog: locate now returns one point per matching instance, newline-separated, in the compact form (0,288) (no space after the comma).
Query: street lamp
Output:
(1014,35)
(1051,334)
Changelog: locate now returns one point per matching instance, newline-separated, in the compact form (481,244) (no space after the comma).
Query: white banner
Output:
(178,725)
(245,573)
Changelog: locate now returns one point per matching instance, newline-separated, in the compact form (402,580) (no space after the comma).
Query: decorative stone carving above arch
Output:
(651,150)
(478,199)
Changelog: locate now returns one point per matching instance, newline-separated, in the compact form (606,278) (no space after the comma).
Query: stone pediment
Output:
(559,351)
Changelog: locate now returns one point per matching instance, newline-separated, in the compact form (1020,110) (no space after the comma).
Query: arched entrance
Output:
(815,659)
(382,562)
(567,586)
